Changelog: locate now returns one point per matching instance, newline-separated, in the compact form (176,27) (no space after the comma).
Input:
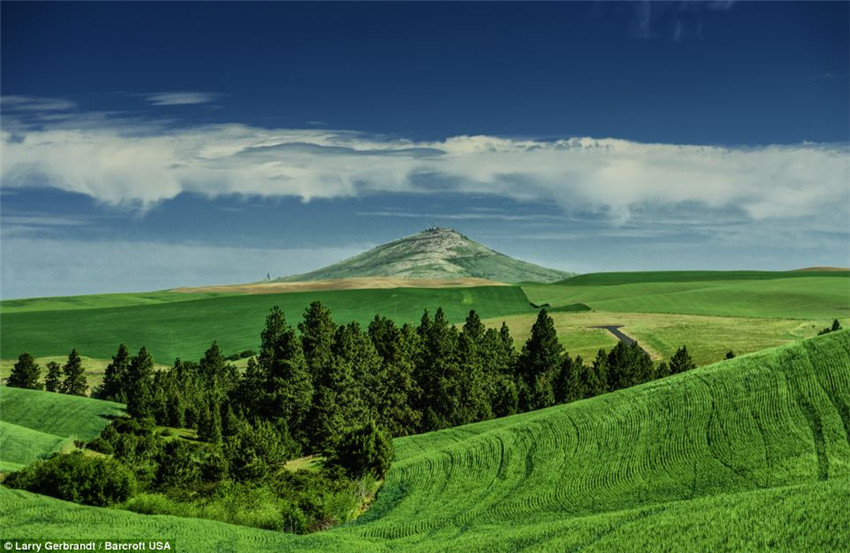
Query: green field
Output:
(33,423)
(634,277)
(791,298)
(751,454)
(186,328)
(708,338)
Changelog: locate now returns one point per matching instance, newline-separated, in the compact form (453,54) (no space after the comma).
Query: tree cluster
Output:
(67,379)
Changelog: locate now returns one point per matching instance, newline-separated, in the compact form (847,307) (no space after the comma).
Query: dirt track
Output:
(628,340)
(341,284)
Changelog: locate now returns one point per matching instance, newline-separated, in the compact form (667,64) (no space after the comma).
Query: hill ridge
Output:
(436,252)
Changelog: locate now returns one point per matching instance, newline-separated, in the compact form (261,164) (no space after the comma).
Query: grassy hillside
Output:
(34,422)
(751,454)
(708,338)
(187,328)
(803,297)
(594,279)
(434,253)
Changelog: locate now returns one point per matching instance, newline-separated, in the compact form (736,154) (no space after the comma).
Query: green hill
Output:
(33,423)
(186,329)
(434,253)
(594,279)
(751,454)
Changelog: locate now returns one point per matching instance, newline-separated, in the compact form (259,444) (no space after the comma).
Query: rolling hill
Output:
(751,454)
(434,253)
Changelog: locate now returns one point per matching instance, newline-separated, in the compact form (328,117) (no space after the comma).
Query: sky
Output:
(149,145)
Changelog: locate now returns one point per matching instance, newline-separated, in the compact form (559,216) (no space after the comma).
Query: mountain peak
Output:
(436,252)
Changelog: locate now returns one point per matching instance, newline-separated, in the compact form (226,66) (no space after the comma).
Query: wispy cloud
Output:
(473,216)
(146,163)
(182,98)
(35,103)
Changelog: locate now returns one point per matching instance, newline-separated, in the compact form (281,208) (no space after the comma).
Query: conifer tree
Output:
(26,373)
(287,381)
(438,372)
(53,380)
(681,361)
(594,378)
(75,382)
(115,377)
(138,387)
(568,382)
(476,374)
(538,364)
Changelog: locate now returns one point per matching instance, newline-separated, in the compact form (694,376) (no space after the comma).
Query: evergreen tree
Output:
(138,386)
(538,364)
(681,361)
(594,378)
(75,382)
(317,336)
(25,374)
(476,373)
(568,382)
(628,365)
(730,354)
(114,379)
(53,380)
(365,450)
(250,392)
(663,370)
(398,392)
(836,326)
(438,373)
(287,381)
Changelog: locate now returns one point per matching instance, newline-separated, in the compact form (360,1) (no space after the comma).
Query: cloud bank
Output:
(181,98)
(143,163)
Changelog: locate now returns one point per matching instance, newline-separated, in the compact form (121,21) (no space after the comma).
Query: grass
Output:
(33,423)
(793,298)
(751,454)
(186,329)
(592,279)
(708,338)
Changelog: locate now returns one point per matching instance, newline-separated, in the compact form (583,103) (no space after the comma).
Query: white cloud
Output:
(145,163)
(181,98)
(34,103)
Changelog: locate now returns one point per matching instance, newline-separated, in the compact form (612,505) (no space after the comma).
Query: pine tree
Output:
(730,354)
(114,379)
(53,380)
(476,374)
(836,326)
(538,364)
(75,382)
(437,372)
(287,379)
(594,378)
(25,374)
(681,361)
(317,336)
(138,386)
(568,382)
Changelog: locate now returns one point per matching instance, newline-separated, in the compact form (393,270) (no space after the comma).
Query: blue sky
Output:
(151,145)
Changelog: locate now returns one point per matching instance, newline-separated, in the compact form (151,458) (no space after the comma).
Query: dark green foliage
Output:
(538,364)
(53,380)
(365,450)
(836,325)
(25,374)
(77,477)
(594,378)
(115,378)
(568,385)
(628,365)
(257,449)
(681,361)
(662,370)
(438,373)
(730,354)
(288,389)
(138,385)
(398,392)
(75,382)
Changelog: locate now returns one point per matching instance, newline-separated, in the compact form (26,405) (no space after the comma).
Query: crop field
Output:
(708,338)
(810,297)
(693,276)
(745,455)
(33,423)
(186,328)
